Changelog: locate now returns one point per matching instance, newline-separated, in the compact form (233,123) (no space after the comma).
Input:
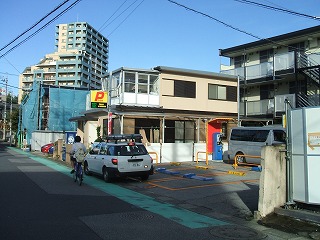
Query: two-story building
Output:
(274,69)
(167,105)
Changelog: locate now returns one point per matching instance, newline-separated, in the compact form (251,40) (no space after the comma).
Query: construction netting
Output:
(49,108)
(64,104)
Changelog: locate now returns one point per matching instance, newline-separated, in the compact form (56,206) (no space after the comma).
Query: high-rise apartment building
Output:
(80,60)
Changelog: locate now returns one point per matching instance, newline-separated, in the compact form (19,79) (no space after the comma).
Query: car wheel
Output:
(86,169)
(106,176)
(240,158)
(145,177)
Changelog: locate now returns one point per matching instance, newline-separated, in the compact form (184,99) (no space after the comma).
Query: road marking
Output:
(204,185)
(237,173)
(182,216)
(202,167)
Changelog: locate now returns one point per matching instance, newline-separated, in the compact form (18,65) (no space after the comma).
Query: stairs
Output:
(309,68)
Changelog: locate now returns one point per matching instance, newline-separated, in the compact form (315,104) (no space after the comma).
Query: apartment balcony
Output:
(66,61)
(67,70)
(68,78)
(281,64)
(266,107)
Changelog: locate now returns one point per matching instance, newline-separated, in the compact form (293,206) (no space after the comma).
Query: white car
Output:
(119,156)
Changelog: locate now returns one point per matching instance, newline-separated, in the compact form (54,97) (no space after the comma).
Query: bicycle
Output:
(78,173)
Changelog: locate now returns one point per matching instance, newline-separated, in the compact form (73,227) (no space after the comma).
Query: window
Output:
(265,55)
(279,136)
(220,92)
(129,82)
(179,131)
(184,89)
(238,61)
(249,135)
(217,92)
(267,91)
(297,47)
(142,83)
(154,84)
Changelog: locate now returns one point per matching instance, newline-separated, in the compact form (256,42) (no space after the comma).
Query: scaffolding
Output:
(49,108)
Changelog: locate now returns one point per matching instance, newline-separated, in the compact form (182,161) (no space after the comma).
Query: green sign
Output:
(98,105)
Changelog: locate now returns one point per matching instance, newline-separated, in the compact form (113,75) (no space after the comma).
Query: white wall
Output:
(40,138)
(180,152)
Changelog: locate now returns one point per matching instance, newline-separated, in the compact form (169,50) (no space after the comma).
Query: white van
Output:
(248,141)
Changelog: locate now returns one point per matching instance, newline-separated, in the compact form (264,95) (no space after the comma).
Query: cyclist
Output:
(77,145)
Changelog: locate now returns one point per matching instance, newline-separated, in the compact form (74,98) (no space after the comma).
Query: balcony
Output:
(280,64)
(261,107)
(275,106)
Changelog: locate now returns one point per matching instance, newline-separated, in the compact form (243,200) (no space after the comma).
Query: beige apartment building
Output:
(274,69)
(168,105)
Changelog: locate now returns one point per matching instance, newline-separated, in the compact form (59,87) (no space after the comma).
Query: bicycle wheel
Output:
(80,175)
(80,179)
(75,176)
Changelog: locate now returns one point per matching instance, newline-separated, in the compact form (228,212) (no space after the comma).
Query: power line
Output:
(10,74)
(121,14)
(217,20)
(39,30)
(102,27)
(34,25)
(9,85)
(279,9)
(125,18)
(230,26)
(12,65)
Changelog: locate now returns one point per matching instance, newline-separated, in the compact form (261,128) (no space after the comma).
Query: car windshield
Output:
(126,150)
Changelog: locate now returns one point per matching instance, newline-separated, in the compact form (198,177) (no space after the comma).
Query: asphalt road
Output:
(39,200)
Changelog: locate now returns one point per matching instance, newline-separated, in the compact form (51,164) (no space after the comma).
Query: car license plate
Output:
(136,164)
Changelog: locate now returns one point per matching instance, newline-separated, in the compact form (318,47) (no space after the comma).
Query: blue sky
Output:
(151,32)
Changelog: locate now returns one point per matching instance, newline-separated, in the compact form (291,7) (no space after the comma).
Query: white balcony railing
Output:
(279,63)
(266,106)
(261,107)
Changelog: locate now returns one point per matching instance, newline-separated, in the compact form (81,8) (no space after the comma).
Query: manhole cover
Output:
(236,232)
(136,216)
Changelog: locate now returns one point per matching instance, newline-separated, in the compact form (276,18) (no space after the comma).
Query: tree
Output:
(14,117)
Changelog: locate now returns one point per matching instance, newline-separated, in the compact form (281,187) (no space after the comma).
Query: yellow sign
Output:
(99,96)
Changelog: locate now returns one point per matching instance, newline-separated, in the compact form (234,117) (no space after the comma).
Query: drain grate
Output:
(236,232)
(136,216)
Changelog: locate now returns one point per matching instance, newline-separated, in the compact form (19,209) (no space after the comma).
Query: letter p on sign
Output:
(99,96)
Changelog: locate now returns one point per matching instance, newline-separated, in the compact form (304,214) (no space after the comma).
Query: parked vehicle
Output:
(248,141)
(48,148)
(119,156)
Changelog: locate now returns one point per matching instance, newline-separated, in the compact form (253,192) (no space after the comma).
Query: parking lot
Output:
(217,188)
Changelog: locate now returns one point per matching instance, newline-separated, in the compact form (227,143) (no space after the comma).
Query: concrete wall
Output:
(272,192)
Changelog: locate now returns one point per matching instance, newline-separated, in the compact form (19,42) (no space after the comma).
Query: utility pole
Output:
(5,109)
(10,124)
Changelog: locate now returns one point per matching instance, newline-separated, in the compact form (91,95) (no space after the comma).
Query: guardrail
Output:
(157,157)
(197,157)
(244,163)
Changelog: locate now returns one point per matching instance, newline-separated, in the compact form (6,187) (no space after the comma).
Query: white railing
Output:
(281,62)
